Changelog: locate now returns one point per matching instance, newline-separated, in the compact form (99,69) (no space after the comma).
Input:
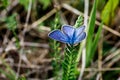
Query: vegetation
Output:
(27,53)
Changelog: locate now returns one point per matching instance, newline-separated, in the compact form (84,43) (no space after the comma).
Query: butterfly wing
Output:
(80,38)
(68,30)
(79,30)
(58,35)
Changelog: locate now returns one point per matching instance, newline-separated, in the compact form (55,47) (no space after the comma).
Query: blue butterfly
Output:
(68,34)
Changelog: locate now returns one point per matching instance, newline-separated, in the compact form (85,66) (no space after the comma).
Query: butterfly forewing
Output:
(68,30)
(59,36)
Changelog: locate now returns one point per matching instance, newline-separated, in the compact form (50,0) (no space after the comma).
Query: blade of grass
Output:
(94,46)
(10,74)
(90,33)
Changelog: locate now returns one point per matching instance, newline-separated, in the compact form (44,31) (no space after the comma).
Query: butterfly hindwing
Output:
(80,38)
(79,30)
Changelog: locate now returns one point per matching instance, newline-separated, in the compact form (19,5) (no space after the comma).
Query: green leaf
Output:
(90,32)
(11,22)
(95,42)
(4,3)
(108,11)
(45,3)
(10,74)
(69,63)
(79,22)
(101,4)
(25,3)
(22,78)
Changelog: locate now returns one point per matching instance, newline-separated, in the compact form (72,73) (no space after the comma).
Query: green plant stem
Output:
(69,64)
(17,40)
(56,59)
(79,21)
(56,51)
